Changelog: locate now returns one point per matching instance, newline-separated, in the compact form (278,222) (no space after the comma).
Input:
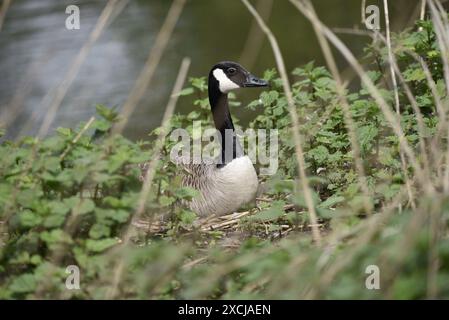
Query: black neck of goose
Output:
(230,146)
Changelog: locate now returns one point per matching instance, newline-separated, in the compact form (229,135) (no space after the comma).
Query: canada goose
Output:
(228,184)
(231,181)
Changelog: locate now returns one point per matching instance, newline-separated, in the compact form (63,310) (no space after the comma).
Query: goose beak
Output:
(253,81)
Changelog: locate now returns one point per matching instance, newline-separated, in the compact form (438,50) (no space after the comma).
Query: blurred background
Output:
(36,50)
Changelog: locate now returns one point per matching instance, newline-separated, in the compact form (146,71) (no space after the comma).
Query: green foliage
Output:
(67,200)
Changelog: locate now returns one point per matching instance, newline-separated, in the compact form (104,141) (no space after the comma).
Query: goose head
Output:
(224,77)
(227,76)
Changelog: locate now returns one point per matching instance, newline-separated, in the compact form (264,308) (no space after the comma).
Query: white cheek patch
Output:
(224,83)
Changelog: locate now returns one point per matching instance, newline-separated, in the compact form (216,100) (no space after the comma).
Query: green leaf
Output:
(331,201)
(199,83)
(86,206)
(166,201)
(120,216)
(366,135)
(187,217)
(108,114)
(29,219)
(186,193)
(67,132)
(186,91)
(414,75)
(24,283)
(274,212)
(99,231)
(268,98)
(320,154)
(300,200)
(56,236)
(100,245)
(101,125)
(116,161)
(269,74)
(79,205)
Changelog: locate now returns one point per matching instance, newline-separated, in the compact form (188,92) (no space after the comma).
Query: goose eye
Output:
(232,71)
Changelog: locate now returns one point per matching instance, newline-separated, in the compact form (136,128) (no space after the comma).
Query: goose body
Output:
(222,190)
(230,181)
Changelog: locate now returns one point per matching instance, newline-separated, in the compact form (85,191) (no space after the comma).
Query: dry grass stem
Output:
(349,122)
(254,41)
(151,64)
(396,100)
(146,188)
(392,118)
(78,136)
(295,122)
(3,10)
(71,74)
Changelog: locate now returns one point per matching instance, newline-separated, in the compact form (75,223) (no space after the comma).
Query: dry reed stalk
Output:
(191,264)
(217,225)
(442,11)
(390,58)
(71,74)
(146,188)
(12,109)
(295,122)
(404,244)
(117,10)
(433,257)
(361,235)
(3,10)
(433,88)
(349,122)
(446,168)
(396,100)
(442,37)
(434,224)
(221,270)
(151,63)
(372,226)
(412,100)
(422,11)
(442,123)
(391,117)
(374,222)
(425,67)
(254,40)
(354,31)
(78,136)
(441,26)
(363,7)
(442,113)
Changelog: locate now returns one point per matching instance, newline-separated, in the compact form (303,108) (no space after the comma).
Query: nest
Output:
(231,224)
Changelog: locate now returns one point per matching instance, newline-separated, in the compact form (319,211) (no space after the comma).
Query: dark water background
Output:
(36,50)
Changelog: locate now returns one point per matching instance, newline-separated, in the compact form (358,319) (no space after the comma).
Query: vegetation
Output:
(68,199)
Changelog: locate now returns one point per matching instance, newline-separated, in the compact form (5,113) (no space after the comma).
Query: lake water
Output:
(36,50)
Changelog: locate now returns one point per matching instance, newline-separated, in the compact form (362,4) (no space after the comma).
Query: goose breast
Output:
(224,190)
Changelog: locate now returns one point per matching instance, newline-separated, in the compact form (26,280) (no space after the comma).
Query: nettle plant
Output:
(63,202)
(329,156)
(68,199)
